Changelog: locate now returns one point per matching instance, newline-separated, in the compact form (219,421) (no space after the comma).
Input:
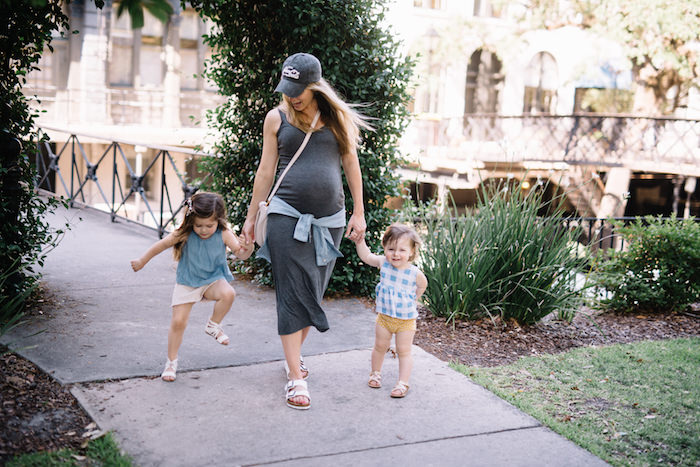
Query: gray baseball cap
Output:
(298,71)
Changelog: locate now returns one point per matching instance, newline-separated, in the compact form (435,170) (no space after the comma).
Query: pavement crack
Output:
(387,446)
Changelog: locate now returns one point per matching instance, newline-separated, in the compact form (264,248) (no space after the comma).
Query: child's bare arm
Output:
(237,245)
(157,248)
(367,256)
(421,284)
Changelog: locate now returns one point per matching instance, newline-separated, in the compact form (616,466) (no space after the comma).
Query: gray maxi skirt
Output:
(299,282)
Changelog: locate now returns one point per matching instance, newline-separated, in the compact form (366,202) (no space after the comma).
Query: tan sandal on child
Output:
(291,393)
(375,380)
(399,390)
(169,373)
(215,331)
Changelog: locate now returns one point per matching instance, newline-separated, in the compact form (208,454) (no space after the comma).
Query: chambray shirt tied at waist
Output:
(323,241)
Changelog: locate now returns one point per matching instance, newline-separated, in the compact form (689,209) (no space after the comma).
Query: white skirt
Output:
(186,294)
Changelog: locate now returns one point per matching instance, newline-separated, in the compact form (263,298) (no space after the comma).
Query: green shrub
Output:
(658,271)
(23,231)
(359,59)
(11,304)
(501,260)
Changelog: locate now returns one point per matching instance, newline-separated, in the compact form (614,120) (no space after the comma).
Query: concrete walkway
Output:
(105,334)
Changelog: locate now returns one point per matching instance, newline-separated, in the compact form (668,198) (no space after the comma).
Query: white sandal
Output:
(302,367)
(170,371)
(375,380)
(402,389)
(215,331)
(291,392)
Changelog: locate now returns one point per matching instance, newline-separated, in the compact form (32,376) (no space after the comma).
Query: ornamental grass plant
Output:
(503,259)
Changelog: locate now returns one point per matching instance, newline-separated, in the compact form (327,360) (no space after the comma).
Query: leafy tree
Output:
(161,9)
(359,58)
(659,36)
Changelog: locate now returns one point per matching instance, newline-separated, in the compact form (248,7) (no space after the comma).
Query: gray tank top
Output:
(314,184)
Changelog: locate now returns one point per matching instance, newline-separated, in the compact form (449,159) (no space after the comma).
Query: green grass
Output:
(629,404)
(102,451)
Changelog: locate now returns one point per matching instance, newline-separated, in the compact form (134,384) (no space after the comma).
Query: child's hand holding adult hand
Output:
(246,249)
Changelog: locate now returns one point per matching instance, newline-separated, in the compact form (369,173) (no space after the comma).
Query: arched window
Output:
(484,81)
(541,82)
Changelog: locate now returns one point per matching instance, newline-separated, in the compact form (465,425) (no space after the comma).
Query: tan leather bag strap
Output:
(296,156)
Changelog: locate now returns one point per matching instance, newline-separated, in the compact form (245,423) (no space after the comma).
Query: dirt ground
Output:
(485,343)
(37,413)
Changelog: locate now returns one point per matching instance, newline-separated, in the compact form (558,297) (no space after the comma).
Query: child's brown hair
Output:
(396,231)
(203,205)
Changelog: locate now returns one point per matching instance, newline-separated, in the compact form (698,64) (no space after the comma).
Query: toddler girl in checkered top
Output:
(400,286)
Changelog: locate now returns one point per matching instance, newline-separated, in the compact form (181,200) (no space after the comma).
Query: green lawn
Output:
(630,404)
(102,451)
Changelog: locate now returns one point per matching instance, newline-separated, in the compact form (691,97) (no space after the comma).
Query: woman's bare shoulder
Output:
(273,116)
(273,120)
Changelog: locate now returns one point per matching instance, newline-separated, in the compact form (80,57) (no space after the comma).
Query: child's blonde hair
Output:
(203,205)
(338,115)
(397,231)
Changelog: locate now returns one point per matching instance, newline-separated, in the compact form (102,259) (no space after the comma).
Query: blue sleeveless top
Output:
(203,261)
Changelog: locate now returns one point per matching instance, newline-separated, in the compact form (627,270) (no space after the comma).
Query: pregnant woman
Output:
(306,216)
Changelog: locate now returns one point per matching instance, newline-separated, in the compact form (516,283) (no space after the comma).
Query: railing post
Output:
(162,194)
(37,160)
(112,212)
(73,168)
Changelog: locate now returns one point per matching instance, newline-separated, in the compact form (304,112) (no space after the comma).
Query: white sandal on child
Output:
(292,393)
(399,390)
(215,331)
(375,380)
(302,367)
(169,373)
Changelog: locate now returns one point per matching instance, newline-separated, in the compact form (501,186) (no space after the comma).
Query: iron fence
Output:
(141,183)
(108,176)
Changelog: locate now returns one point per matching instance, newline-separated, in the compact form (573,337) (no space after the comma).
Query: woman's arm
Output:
(356,225)
(265,174)
(157,248)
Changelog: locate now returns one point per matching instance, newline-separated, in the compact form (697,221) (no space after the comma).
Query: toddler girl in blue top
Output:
(401,285)
(199,246)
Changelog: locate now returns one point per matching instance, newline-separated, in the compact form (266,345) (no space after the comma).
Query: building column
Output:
(94,102)
(75,48)
(87,74)
(171,82)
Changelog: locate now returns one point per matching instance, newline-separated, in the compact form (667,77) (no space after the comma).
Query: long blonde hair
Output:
(338,115)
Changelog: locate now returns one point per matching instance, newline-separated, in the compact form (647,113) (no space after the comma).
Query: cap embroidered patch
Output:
(290,72)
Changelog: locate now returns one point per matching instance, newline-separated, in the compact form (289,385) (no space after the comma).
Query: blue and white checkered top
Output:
(396,291)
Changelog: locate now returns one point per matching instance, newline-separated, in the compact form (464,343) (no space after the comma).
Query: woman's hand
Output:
(356,227)
(248,232)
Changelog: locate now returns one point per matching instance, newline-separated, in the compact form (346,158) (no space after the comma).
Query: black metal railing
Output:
(110,176)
